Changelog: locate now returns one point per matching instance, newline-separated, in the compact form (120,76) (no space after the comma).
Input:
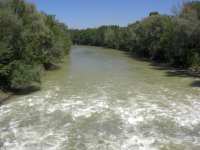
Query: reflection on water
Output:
(103,100)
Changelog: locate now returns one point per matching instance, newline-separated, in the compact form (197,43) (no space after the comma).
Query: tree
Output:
(28,40)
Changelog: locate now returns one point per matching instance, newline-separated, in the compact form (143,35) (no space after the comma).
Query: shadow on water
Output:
(26,91)
(177,72)
(133,56)
(170,71)
(195,84)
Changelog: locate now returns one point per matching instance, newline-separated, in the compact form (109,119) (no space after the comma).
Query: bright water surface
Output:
(102,99)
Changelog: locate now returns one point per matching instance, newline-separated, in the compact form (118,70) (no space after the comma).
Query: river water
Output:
(101,99)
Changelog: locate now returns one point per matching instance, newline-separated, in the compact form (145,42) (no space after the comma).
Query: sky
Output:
(94,13)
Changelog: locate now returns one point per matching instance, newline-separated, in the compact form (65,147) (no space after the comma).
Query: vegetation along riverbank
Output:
(173,40)
(30,42)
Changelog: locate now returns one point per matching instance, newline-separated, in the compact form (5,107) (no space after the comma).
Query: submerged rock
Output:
(26,89)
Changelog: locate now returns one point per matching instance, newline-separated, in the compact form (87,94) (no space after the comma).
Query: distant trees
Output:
(103,36)
(169,39)
(154,13)
(28,40)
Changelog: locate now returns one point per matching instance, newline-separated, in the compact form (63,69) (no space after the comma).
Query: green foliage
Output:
(167,39)
(153,13)
(191,8)
(28,40)
(22,75)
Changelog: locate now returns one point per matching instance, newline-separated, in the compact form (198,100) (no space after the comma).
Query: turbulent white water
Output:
(104,100)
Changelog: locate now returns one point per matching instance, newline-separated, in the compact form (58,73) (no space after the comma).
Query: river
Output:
(102,99)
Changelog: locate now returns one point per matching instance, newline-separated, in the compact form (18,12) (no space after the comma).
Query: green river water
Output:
(101,99)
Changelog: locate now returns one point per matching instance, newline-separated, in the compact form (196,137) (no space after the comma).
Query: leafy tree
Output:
(28,40)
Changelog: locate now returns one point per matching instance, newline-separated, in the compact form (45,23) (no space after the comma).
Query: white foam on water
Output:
(142,109)
(138,143)
(27,138)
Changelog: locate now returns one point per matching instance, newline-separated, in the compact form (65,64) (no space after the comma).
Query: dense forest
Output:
(174,40)
(30,41)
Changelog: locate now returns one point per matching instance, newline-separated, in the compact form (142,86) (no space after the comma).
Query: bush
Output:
(23,76)
(28,40)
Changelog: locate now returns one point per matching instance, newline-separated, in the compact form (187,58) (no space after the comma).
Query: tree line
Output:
(174,40)
(30,41)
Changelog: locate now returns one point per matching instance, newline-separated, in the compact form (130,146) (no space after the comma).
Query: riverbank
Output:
(190,72)
(179,71)
(4,96)
(7,94)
